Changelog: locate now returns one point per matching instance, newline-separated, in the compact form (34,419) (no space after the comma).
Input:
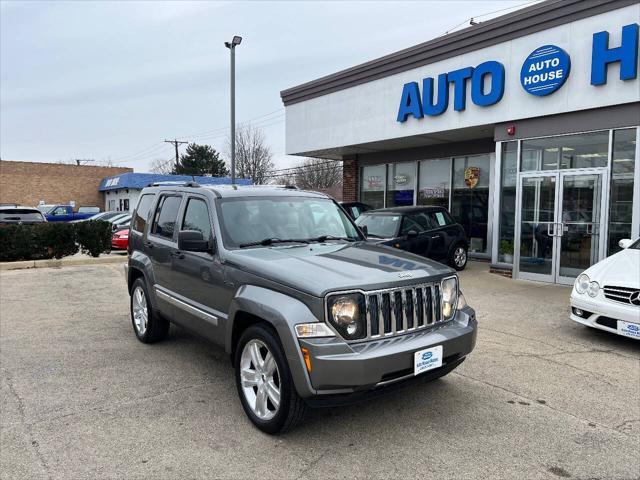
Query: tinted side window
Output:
(410,222)
(166,216)
(142,212)
(196,217)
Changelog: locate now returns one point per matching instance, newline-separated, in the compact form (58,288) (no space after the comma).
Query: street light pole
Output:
(232,47)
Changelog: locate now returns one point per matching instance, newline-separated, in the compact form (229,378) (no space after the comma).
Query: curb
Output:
(63,262)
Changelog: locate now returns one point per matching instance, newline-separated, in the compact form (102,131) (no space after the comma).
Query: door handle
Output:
(148,244)
(554,229)
(561,230)
(177,254)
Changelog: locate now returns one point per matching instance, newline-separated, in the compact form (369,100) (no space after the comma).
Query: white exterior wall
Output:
(117,195)
(367,112)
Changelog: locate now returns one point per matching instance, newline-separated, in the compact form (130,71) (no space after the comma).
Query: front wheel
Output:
(264,382)
(148,326)
(458,257)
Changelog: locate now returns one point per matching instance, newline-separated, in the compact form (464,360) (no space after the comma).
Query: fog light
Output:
(578,312)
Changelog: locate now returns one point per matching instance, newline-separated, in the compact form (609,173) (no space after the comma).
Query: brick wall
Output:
(29,182)
(350,180)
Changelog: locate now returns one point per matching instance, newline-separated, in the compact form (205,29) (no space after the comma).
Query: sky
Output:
(110,81)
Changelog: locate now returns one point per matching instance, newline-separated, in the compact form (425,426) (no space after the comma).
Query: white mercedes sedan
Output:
(607,295)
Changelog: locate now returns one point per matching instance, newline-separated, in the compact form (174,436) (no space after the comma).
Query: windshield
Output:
(383,226)
(23,215)
(45,208)
(245,221)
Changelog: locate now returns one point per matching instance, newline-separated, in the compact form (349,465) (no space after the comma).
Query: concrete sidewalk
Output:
(74,260)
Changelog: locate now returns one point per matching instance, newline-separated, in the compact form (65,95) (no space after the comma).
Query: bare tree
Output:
(317,174)
(163,165)
(253,156)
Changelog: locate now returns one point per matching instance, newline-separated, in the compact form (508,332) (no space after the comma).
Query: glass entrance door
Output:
(560,226)
(580,226)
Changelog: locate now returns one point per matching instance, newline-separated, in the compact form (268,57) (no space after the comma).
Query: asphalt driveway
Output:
(540,397)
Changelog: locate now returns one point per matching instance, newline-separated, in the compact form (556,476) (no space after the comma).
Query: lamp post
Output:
(232,48)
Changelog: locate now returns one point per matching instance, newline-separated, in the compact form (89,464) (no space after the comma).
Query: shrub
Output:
(94,236)
(53,240)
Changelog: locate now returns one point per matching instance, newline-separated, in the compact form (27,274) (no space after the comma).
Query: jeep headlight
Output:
(449,297)
(347,314)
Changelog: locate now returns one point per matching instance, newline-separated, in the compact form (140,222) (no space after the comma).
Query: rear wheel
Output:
(264,383)
(148,325)
(458,257)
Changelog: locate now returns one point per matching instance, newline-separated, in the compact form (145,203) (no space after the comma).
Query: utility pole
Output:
(175,143)
(232,48)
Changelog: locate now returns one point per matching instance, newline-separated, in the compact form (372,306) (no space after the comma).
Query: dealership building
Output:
(526,127)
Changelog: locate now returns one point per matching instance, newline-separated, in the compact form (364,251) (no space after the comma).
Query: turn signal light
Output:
(307,358)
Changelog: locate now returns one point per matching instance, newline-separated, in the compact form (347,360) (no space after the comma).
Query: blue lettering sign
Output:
(441,105)
(626,54)
(496,70)
(410,103)
(545,70)
(459,80)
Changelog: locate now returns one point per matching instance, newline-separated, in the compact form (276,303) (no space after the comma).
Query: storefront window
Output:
(470,198)
(401,180)
(508,176)
(434,182)
(568,151)
(372,185)
(621,205)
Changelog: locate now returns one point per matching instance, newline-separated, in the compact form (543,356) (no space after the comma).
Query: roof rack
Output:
(175,183)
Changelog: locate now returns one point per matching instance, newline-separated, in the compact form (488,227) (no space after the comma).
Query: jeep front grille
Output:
(402,310)
(622,294)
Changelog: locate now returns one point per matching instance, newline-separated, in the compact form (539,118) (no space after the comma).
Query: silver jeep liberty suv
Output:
(309,311)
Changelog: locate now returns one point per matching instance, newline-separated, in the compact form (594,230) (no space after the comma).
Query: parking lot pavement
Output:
(540,397)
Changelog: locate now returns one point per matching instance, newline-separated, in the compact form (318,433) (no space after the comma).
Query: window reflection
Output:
(401,180)
(372,185)
(568,151)
(508,177)
(470,198)
(621,204)
(434,181)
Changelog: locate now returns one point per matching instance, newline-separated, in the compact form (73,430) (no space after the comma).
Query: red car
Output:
(120,239)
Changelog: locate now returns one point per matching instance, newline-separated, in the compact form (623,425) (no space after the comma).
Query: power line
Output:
(176,143)
(472,21)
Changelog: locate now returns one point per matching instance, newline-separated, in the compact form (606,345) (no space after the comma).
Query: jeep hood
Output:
(320,268)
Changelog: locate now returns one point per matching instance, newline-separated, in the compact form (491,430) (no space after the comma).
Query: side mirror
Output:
(364,230)
(624,243)
(192,241)
(412,234)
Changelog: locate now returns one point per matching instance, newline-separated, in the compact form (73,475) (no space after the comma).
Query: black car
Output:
(355,209)
(426,231)
(18,214)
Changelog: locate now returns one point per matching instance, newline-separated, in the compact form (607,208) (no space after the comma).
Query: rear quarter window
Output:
(166,216)
(142,212)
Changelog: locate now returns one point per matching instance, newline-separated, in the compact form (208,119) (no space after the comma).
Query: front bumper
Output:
(602,313)
(339,368)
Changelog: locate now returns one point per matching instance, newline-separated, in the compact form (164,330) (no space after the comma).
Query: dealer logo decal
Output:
(545,70)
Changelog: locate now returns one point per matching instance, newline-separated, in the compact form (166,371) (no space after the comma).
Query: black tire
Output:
(157,327)
(292,408)
(453,259)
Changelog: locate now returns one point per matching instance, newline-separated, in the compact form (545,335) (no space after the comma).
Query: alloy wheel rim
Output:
(140,312)
(460,256)
(260,379)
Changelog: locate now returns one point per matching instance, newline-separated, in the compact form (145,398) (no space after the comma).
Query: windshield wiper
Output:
(324,238)
(270,241)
